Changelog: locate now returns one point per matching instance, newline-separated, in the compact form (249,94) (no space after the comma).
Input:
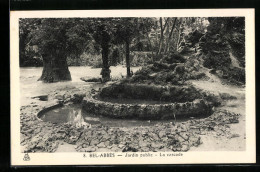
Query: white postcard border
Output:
(248,156)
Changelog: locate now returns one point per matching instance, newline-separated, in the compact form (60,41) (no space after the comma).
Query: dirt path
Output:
(238,139)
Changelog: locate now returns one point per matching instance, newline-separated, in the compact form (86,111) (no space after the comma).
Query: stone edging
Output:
(144,111)
(46,109)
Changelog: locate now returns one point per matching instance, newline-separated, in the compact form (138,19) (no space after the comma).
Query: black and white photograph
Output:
(135,87)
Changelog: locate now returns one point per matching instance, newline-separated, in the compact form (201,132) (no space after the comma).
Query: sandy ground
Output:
(30,87)
(238,141)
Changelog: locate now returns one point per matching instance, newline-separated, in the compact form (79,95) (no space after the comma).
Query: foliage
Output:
(86,59)
(173,69)
(27,55)
(224,37)
(74,36)
(60,35)
(126,29)
(140,58)
(173,58)
(102,42)
(151,92)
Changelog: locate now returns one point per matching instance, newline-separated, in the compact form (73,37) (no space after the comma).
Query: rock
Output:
(84,145)
(114,148)
(94,142)
(155,136)
(144,149)
(226,96)
(103,150)
(130,149)
(162,134)
(120,146)
(157,145)
(234,135)
(90,149)
(41,97)
(165,149)
(180,69)
(87,79)
(78,97)
(212,71)
(59,97)
(185,148)
(143,144)
(101,145)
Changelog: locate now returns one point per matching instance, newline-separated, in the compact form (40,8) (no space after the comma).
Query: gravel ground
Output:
(222,128)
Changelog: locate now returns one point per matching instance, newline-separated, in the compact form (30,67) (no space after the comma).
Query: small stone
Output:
(142,144)
(120,146)
(185,148)
(94,142)
(90,149)
(84,145)
(234,135)
(101,145)
(162,134)
(109,147)
(145,149)
(157,145)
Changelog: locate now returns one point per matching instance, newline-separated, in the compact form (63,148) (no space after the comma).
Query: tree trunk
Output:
(169,38)
(22,49)
(55,68)
(178,41)
(162,36)
(150,46)
(149,41)
(127,52)
(105,72)
(167,33)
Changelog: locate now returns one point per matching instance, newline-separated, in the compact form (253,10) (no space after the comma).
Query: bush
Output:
(173,58)
(86,59)
(151,92)
(140,58)
(235,75)
(31,62)
(215,61)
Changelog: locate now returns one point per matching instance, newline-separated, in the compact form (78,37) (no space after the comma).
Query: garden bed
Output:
(143,101)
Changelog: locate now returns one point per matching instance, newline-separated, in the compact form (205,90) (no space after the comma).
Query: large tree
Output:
(128,29)
(102,30)
(58,38)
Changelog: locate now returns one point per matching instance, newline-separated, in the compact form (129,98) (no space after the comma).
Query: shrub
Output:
(151,92)
(173,58)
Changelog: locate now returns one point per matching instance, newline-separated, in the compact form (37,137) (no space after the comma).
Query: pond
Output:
(74,114)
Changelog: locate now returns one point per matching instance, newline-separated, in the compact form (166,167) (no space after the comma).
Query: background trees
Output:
(102,31)
(28,56)
(128,29)
(108,41)
(56,39)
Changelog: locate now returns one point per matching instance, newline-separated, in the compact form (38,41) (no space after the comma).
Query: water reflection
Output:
(74,115)
(65,114)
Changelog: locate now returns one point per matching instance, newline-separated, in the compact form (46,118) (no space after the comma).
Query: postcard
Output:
(113,87)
